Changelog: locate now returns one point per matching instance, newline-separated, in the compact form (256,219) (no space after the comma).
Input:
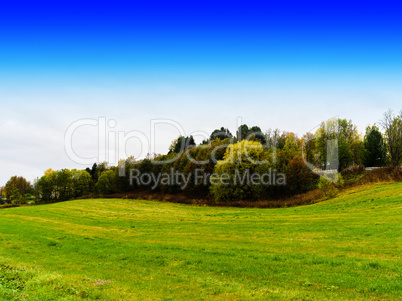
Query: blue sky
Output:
(285,64)
(138,36)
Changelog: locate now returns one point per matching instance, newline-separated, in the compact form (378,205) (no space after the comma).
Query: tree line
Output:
(223,155)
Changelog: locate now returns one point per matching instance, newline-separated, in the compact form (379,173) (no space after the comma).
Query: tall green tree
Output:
(81,182)
(252,134)
(393,134)
(221,133)
(45,188)
(17,186)
(338,144)
(92,172)
(106,183)
(374,153)
(64,184)
(181,144)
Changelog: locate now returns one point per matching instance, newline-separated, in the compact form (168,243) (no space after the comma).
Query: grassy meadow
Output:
(347,248)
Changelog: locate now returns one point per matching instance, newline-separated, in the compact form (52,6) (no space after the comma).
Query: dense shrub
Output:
(240,160)
(355,169)
(299,177)
(328,187)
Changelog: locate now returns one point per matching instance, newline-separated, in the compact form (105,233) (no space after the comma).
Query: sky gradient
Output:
(276,64)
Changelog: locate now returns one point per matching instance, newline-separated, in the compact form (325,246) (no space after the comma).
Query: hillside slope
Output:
(345,248)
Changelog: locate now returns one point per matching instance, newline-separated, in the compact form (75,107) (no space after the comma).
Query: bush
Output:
(300,178)
(355,169)
(240,159)
(340,182)
(327,186)
(324,184)
(332,192)
(18,201)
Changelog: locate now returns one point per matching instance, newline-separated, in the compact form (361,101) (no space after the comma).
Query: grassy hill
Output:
(345,248)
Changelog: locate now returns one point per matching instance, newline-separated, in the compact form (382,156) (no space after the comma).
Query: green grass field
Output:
(345,248)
